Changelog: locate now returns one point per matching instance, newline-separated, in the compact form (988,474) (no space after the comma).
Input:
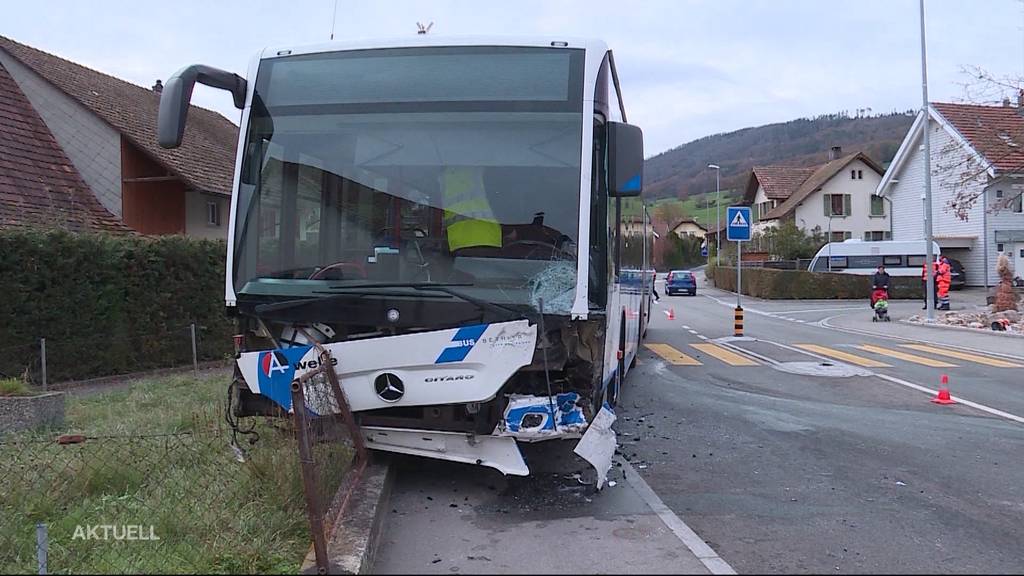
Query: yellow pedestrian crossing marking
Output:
(844,356)
(725,355)
(964,356)
(673,356)
(908,357)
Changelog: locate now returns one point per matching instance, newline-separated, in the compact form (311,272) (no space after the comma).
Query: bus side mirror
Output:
(177,93)
(625,160)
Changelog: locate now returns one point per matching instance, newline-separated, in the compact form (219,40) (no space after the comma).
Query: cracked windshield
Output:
(455,165)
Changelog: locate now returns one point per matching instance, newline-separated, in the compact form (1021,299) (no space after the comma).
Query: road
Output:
(784,472)
(806,446)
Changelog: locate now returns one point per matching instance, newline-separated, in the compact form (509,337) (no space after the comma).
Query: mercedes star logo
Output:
(389,387)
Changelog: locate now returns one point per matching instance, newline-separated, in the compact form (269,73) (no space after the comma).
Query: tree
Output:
(668,213)
(786,241)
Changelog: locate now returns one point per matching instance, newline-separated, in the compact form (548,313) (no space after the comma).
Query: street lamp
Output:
(927,196)
(718,207)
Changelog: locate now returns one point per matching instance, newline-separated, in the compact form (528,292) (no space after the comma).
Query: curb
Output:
(353,542)
(965,328)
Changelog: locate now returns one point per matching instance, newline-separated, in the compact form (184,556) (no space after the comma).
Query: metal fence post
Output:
(195,357)
(42,359)
(309,482)
(42,546)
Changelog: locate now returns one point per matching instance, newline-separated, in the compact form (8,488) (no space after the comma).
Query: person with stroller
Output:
(880,295)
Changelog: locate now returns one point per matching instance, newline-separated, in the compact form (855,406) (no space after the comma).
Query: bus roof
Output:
(436,40)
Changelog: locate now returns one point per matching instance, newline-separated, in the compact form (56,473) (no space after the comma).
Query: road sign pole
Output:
(739,273)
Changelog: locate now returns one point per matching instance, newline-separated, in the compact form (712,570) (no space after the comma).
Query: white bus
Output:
(412,204)
(900,258)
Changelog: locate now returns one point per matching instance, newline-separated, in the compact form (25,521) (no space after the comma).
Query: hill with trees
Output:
(682,171)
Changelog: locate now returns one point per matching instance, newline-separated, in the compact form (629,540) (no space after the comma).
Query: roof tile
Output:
(995,132)
(206,158)
(38,184)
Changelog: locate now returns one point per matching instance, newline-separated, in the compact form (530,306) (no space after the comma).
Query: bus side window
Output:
(892,260)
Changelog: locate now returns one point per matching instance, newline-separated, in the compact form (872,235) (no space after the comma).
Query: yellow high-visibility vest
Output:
(468,216)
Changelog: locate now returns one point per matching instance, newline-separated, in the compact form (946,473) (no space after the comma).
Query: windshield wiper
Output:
(446,288)
(341,292)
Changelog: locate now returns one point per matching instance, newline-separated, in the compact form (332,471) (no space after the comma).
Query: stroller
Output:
(880,304)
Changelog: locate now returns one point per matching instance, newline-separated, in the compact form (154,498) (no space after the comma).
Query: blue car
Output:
(680,281)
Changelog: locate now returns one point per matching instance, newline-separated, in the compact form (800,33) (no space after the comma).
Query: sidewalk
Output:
(447,518)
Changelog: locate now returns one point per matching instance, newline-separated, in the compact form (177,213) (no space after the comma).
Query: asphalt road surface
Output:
(807,446)
(801,448)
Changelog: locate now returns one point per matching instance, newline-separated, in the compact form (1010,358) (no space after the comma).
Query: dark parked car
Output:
(958,278)
(679,281)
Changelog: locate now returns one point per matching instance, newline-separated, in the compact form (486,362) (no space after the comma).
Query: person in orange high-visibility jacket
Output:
(943,279)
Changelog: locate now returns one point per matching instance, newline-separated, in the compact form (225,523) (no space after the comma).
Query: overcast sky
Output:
(689,68)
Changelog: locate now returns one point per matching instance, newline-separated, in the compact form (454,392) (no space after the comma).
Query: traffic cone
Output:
(671,313)
(943,396)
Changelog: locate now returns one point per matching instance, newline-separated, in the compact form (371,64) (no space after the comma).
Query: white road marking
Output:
(711,560)
(918,387)
(692,331)
(825,323)
(963,401)
(702,337)
(685,327)
(820,310)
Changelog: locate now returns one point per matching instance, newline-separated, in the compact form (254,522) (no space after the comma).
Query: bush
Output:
(108,304)
(768,283)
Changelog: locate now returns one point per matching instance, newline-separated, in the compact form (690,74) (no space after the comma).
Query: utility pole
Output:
(929,252)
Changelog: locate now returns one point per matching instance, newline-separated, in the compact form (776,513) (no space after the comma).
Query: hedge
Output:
(108,304)
(769,283)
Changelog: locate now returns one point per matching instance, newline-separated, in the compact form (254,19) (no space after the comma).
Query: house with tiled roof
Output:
(39,187)
(837,197)
(105,130)
(977,165)
(689,227)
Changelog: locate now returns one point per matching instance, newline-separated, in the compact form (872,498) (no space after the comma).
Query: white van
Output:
(900,258)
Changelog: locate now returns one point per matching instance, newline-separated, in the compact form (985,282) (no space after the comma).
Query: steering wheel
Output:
(343,267)
(537,244)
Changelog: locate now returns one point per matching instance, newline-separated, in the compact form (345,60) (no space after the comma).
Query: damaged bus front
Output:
(444,218)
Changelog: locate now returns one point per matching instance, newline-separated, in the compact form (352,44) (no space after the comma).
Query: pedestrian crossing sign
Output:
(738,219)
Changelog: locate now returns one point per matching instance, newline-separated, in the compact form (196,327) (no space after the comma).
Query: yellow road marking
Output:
(725,355)
(844,356)
(673,356)
(964,356)
(908,357)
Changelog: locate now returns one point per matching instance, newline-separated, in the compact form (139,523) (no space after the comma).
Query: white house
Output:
(977,156)
(689,227)
(837,195)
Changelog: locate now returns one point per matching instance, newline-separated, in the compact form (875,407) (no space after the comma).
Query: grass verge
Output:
(158,456)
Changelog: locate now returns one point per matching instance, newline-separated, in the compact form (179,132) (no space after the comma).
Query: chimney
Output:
(158,87)
(835,152)
(1006,101)
(1020,98)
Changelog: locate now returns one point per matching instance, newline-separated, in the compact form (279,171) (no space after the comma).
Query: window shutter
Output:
(846,204)
(828,204)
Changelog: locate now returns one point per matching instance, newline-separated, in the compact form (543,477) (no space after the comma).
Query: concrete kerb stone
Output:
(353,542)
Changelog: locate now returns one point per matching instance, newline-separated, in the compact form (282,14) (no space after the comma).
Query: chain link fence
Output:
(46,362)
(161,478)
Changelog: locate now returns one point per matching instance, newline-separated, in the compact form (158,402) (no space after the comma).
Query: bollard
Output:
(738,322)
